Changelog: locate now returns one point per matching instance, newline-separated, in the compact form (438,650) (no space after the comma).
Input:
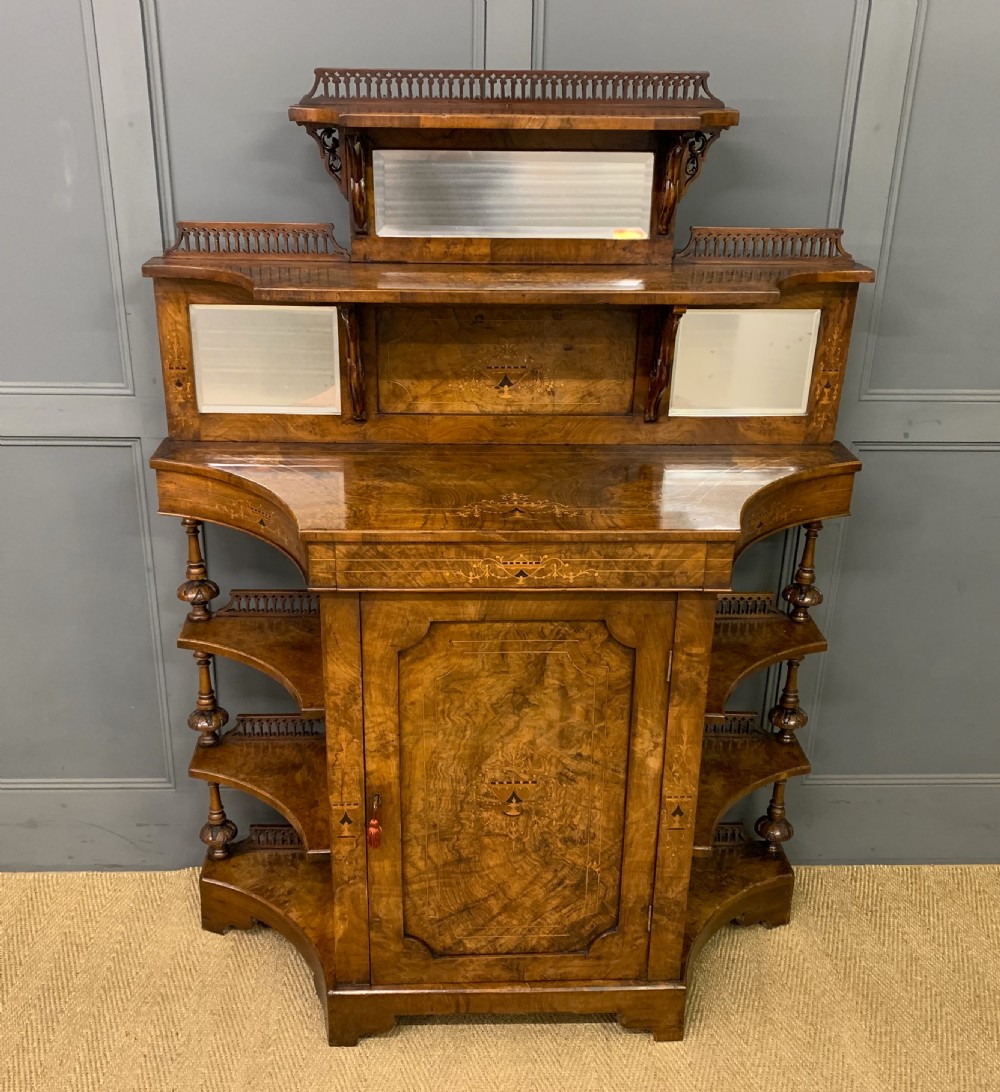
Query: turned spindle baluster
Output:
(787,717)
(773,827)
(802,594)
(208,718)
(197,590)
(219,831)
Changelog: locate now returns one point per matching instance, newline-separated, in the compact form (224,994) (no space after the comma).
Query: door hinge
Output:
(649,919)
(670,663)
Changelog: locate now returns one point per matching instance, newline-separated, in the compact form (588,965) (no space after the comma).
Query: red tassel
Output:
(374,834)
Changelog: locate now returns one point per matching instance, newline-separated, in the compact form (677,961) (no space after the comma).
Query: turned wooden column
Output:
(219,831)
(208,717)
(197,590)
(787,717)
(773,827)
(802,594)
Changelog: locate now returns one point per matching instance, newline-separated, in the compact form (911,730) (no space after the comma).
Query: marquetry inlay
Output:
(516,504)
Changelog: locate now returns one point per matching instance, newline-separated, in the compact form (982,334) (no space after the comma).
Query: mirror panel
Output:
(512,194)
(263,359)
(743,363)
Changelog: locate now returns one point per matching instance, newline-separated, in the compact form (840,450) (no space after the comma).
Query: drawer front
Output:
(552,566)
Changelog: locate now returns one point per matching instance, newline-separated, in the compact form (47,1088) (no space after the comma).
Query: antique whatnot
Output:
(514,442)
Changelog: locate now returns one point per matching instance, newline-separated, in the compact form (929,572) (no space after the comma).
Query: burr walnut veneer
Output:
(515,477)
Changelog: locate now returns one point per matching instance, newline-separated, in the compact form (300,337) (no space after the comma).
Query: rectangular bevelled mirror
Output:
(261,359)
(431,193)
(746,363)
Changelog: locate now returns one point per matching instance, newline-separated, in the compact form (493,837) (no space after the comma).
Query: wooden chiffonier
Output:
(514,441)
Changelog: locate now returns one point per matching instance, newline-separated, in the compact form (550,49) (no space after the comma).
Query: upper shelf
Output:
(454,99)
(303,263)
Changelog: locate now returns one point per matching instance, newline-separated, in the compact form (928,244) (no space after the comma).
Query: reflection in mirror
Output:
(510,194)
(260,359)
(743,363)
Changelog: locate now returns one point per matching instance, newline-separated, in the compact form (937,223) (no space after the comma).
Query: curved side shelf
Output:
(823,495)
(284,644)
(287,890)
(288,774)
(743,883)
(734,764)
(220,496)
(745,643)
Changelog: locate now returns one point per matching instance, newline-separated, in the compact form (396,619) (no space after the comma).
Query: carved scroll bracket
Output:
(663,361)
(683,165)
(355,365)
(328,141)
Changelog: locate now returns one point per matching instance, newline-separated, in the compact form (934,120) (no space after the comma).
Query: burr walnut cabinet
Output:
(514,441)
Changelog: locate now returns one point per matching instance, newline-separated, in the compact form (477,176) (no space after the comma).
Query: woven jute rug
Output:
(887,979)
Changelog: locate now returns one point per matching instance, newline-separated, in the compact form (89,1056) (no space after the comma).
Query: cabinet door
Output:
(516,743)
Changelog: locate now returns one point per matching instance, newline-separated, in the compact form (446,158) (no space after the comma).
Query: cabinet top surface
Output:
(459,99)
(470,493)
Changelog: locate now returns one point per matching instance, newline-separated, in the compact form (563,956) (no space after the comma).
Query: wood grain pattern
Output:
(506,360)
(513,755)
(454,899)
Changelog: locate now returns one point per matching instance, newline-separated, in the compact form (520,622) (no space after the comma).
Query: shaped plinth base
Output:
(657,1008)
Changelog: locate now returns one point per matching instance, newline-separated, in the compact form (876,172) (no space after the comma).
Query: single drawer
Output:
(558,565)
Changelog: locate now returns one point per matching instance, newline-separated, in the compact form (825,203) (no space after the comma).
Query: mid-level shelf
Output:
(737,757)
(332,281)
(750,635)
(276,632)
(286,771)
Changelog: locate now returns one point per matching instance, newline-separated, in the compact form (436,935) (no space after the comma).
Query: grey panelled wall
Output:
(846,107)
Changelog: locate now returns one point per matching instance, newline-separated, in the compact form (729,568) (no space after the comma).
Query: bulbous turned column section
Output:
(197,590)
(802,594)
(208,718)
(219,831)
(773,827)
(787,717)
